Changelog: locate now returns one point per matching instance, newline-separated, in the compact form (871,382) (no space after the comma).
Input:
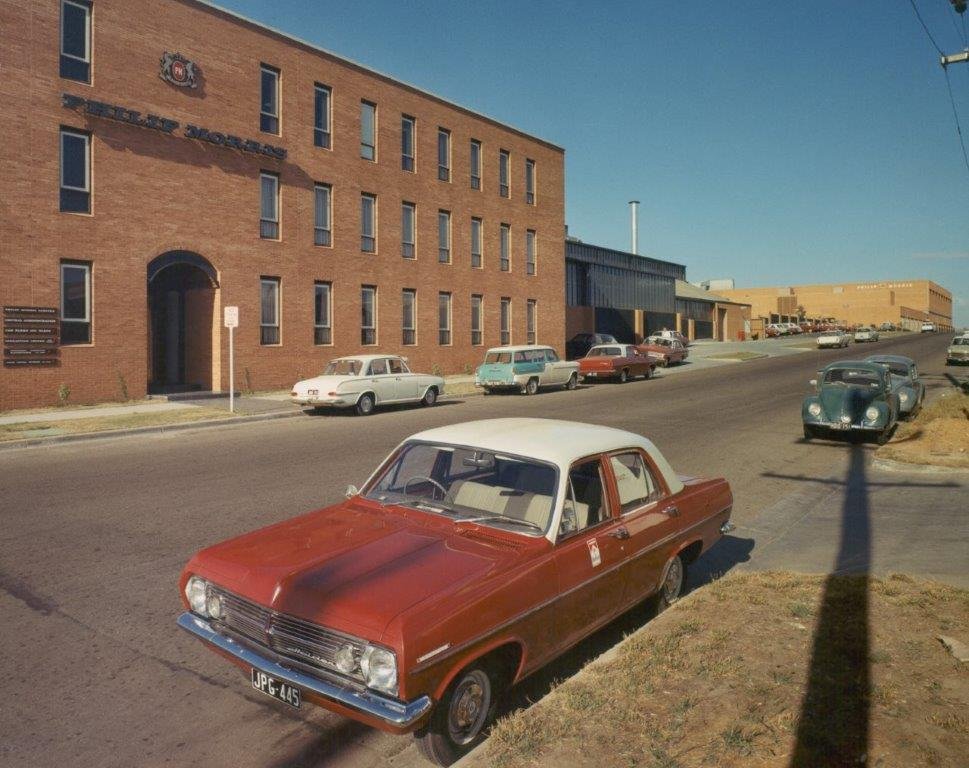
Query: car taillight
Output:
(294,393)
(332,394)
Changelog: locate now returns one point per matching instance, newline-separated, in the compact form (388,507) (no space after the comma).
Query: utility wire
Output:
(955,114)
(960,32)
(922,22)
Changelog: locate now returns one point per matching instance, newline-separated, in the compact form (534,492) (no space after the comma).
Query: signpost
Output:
(231,319)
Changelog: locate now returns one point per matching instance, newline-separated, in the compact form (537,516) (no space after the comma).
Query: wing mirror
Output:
(569,522)
(352,491)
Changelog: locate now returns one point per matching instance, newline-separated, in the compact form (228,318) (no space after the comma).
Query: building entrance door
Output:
(182,295)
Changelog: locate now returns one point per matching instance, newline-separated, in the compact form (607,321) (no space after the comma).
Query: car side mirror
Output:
(352,491)
(569,523)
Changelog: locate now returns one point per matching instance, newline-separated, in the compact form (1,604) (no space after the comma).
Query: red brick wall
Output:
(153,193)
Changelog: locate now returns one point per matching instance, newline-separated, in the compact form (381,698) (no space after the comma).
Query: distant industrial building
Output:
(906,303)
(703,314)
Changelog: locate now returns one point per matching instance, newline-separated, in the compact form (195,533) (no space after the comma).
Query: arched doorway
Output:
(182,297)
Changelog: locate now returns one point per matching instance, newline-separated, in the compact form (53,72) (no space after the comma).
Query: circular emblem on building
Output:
(178,70)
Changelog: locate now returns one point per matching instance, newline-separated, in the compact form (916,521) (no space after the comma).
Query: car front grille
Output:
(288,636)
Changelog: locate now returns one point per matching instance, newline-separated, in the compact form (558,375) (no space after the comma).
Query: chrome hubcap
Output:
(469,707)
(674,581)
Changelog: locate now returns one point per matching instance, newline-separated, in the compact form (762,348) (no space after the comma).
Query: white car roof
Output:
(364,358)
(552,440)
(519,348)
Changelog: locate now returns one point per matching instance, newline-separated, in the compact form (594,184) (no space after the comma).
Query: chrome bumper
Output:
(393,712)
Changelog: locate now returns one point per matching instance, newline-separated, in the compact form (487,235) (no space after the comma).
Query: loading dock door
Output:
(621,323)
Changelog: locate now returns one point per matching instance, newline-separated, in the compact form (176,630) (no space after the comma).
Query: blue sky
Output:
(774,143)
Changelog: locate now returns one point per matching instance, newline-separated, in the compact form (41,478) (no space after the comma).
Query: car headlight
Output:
(814,409)
(379,667)
(903,397)
(195,594)
(871,414)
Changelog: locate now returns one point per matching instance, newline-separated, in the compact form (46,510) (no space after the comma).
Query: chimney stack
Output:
(634,214)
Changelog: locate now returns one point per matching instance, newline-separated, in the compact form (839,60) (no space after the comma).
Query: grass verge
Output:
(937,436)
(722,677)
(740,356)
(31,429)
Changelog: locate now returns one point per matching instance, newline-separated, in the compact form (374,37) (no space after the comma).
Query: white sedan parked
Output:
(833,339)
(866,334)
(366,381)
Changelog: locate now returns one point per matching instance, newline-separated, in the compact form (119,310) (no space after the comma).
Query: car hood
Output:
(837,401)
(349,567)
(322,383)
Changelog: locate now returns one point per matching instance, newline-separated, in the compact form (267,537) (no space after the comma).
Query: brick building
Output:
(170,158)
(906,303)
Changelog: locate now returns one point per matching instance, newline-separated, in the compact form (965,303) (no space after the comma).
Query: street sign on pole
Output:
(231,318)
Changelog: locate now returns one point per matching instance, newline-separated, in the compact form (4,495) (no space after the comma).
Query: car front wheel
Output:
(623,376)
(573,381)
(459,722)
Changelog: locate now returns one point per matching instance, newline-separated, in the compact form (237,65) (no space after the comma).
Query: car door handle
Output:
(672,510)
(620,533)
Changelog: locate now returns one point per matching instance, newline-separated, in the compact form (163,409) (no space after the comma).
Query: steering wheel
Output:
(445,494)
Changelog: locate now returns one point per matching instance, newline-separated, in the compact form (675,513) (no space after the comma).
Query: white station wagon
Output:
(366,381)
(525,368)
(836,338)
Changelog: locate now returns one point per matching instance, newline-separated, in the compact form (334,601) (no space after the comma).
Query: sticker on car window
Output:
(594,555)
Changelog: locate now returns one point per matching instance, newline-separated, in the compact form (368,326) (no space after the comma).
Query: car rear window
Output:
(498,357)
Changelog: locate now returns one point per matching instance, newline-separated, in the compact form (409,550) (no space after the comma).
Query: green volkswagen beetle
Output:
(854,398)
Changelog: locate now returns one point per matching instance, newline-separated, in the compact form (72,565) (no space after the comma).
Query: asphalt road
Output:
(93,536)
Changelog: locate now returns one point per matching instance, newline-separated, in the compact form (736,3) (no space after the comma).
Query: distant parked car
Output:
(886,327)
(581,343)
(525,368)
(619,362)
(836,338)
(958,351)
(928,327)
(808,327)
(794,328)
(365,382)
(667,334)
(666,351)
(852,397)
(904,379)
(866,334)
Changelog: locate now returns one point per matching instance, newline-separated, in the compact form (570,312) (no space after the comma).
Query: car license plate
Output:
(284,692)
(312,392)
(591,375)
(842,425)
(494,383)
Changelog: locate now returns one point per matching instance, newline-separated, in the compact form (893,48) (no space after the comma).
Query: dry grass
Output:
(740,355)
(31,429)
(721,679)
(460,389)
(938,436)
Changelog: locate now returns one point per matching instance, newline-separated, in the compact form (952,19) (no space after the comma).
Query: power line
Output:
(961,32)
(955,114)
(922,22)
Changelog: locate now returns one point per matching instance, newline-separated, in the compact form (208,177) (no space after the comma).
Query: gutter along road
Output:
(93,536)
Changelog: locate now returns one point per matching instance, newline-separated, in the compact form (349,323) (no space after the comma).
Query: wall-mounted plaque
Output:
(31,336)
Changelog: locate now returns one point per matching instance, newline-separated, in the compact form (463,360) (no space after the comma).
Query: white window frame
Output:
(504,173)
(328,320)
(372,146)
(530,182)
(446,328)
(444,248)
(87,292)
(276,204)
(86,7)
(479,317)
(531,321)
(266,68)
(87,159)
(476,225)
(504,248)
(444,171)
(531,252)
(373,223)
(325,130)
(278,325)
(328,229)
(404,157)
(504,321)
(412,292)
(373,291)
(475,177)
(408,206)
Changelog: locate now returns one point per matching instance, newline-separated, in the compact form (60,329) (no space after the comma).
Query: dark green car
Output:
(853,398)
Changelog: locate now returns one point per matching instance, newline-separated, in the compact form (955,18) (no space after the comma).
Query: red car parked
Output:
(666,351)
(619,362)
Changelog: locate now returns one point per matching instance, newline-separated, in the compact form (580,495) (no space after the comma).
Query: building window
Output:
(321,116)
(76,41)
(407,133)
(531,311)
(269,310)
(322,314)
(269,99)
(505,329)
(269,205)
(321,215)
(505,251)
(444,237)
(530,182)
(475,164)
(476,243)
(368,130)
(409,316)
(75,303)
(368,315)
(75,171)
(503,159)
(530,252)
(444,319)
(476,302)
(443,154)
(368,223)
(407,245)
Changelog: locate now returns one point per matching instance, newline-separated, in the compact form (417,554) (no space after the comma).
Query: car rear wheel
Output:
(531,386)
(648,373)
(430,397)
(623,376)
(672,588)
(459,721)
(365,405)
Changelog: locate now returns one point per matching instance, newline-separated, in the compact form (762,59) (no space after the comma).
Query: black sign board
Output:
(31,336)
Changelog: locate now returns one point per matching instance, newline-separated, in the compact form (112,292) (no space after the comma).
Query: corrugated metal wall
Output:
(602,277)
(695,310)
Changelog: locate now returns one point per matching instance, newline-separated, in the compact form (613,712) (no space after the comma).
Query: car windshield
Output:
(964,341)
(896,369)
(498,357)
(856,377)
(605,352)
(343,367)
(470,485)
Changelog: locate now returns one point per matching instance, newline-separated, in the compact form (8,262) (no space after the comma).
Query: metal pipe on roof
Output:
(634,214)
